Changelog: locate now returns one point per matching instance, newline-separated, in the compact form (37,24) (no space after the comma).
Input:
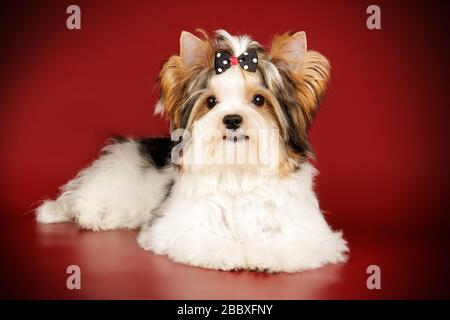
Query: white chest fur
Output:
(229,220)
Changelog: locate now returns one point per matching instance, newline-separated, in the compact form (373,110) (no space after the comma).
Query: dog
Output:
(232,188)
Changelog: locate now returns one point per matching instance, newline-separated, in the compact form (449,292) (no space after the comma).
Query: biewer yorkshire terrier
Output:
(232,188)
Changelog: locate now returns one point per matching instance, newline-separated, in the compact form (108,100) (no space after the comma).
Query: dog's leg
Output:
(290,253)
(119,190)
(52,211)
(195,235)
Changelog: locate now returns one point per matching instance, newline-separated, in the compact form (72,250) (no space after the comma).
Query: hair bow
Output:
(247,61)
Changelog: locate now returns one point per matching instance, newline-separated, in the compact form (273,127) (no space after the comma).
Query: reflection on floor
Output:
(35,258)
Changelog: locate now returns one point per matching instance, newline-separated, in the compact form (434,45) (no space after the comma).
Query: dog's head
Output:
(229,93)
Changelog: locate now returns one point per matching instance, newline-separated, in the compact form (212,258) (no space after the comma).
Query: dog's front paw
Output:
(195,250)
(294,256)
(214,261)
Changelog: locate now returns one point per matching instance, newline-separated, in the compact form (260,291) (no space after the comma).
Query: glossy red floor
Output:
(35,258)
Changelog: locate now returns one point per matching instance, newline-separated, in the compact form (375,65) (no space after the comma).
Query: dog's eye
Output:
(211,102)
(258,100)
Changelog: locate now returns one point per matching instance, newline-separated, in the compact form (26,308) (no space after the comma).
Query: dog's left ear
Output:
(307,71)
(289,50)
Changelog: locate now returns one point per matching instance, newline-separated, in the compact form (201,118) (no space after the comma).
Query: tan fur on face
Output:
(200,109)
(272,112)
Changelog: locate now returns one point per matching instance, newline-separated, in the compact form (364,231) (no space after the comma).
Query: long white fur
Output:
(235,217)
(119,190)
(238,43)
(244,220)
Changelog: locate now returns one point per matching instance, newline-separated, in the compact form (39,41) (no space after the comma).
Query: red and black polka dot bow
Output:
(247,61)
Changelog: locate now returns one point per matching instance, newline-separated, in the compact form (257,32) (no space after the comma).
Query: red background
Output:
(380,136)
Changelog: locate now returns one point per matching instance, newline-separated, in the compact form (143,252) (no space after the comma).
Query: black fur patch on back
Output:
(156,150)
(117,138)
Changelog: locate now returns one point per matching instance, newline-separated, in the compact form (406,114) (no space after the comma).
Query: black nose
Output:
(232,121)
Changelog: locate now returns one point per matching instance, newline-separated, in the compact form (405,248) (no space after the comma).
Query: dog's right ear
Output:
(193,51)
(195,56)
